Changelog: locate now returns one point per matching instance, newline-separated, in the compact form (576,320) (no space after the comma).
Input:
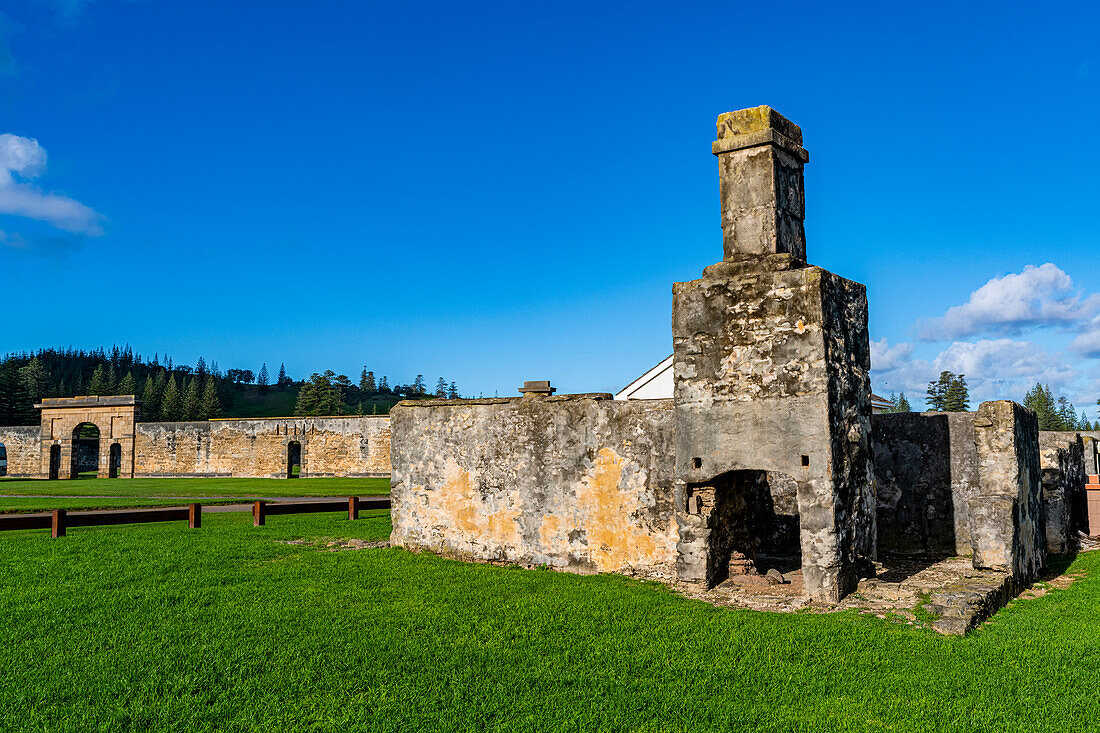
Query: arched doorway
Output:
(85,460)
(293,459)
(114,462)
(55,461)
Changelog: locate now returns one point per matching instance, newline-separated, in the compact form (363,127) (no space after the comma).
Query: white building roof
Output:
(657,384)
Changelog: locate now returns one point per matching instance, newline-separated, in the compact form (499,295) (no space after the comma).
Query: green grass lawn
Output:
(197,488)
(156,628)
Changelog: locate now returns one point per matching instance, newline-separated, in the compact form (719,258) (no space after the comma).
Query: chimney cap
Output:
(538,387)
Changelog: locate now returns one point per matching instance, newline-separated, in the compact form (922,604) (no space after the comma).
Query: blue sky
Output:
(495,192)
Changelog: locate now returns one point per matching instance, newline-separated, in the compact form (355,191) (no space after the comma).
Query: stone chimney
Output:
(760,159)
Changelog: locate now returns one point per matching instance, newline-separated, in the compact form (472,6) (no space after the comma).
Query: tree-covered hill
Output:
(173,391)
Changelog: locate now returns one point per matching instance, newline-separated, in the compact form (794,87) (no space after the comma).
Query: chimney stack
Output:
(760,159)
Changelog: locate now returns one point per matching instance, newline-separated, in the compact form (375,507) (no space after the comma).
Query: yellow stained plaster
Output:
(614,542)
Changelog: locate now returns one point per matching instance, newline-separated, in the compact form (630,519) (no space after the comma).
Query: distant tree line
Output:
(170,391)
(173,392)
(1055,414)
(898,403)
(949,393)
(329,393)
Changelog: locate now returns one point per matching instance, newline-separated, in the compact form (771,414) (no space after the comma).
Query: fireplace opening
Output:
(753,521)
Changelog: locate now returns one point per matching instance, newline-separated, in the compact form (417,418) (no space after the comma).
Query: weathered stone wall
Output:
(926,471)
(22,445)
(1062,461)
(253,448)
(574,481)
(1006,516)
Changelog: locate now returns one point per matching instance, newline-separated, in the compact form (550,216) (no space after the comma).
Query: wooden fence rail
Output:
(261,510)
(59,520)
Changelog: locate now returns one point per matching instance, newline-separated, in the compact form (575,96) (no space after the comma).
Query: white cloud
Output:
(23,158)
(995,369)
(1037,296)
(1088,342)
(885,357)
(998,359)
(893,369)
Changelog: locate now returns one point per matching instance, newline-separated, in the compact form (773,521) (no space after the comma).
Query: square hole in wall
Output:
(696,462)
(805,460)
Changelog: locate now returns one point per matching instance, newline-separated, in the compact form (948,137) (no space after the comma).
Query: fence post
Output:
(57,527)
(258,513)
(194,516)
(353,507)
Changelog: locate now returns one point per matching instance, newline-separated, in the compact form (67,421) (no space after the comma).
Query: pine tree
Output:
(151,405)
(902,405)
(262,379)
(35,381)
(452,392)
(441,388)
(112,379)
(99,385)
(937,391)
(128,386)
(418,385)
(283,380)
(1040,400)
(366,382)
(170,402)
(191,402)
(210,406)
(957,397)
(1067,416)
(384,387)
(318,396)
(10,412)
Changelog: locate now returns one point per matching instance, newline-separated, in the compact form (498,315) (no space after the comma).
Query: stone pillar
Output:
(760,159)
(771,363)
(1006,519)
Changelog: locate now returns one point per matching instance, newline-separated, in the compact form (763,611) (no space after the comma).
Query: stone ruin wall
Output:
(928,474)
(1006,515)
(23,446)
(1062,462)
(578,482)
(257,448)
(926,471)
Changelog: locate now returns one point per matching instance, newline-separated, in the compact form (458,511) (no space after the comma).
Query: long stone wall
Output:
(576,481)
(258,448)
(22,445)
